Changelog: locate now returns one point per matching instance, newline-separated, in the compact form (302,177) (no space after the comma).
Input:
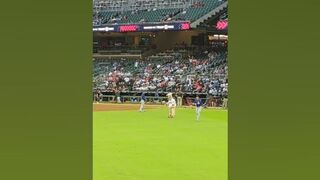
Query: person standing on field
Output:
(171,106)
(156,97)
(179,97)
(198,104)
(98,96)
(142,102)
(225,103)
(118,98)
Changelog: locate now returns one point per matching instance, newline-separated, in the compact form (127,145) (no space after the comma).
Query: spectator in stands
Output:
(204,72)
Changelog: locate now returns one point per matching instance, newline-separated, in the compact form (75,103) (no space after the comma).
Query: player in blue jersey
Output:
(142,101)
(198,103)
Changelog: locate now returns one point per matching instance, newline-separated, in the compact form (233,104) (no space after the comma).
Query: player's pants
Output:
(225,103)
(179,101)
(141,105)
(198,110)
(172,111)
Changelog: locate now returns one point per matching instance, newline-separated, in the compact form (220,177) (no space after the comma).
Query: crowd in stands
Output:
(204,72)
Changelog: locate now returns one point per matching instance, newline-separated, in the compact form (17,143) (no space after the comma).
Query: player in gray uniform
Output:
(142,102)
(198,104)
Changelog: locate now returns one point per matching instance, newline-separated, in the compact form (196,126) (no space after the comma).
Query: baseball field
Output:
(132,145)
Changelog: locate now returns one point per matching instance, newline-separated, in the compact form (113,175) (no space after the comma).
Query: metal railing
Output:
(213,101)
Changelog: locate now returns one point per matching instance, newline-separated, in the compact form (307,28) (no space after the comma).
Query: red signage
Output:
(177,26)
(222,24)
(185,26)
(128,28)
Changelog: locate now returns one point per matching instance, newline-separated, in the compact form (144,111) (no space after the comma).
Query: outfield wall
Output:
(135,97)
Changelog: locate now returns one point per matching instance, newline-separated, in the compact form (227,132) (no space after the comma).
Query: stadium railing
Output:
(188,98)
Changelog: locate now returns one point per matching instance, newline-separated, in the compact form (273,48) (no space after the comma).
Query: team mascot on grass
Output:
(171,105)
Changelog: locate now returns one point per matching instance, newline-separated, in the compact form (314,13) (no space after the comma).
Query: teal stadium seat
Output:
(194,13)
(191,13)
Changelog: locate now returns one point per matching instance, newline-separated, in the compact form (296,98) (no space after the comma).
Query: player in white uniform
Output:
(171,105)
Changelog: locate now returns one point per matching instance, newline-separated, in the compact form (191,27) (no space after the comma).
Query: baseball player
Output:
(171,105)
(198,104)
(142,101)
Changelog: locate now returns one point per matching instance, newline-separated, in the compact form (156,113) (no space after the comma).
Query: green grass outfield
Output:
(129,145)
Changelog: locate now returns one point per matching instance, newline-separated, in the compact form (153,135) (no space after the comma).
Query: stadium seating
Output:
(165,72)
(102,17)
(131,5)
(149,11)
(155,15)
(196,11)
